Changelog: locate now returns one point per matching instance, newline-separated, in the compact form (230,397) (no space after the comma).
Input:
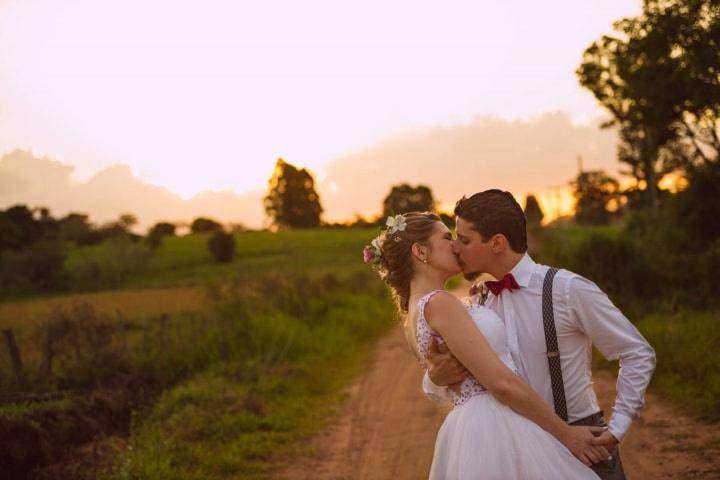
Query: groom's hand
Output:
(444,369)
(581,442)
(606,439)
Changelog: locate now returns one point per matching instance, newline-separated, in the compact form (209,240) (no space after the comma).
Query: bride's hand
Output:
(455,387)
(579,440)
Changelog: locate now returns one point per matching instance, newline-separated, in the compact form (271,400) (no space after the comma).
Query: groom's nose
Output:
(456,247)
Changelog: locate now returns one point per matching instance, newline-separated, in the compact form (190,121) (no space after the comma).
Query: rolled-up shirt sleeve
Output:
(436,393)
(617,339)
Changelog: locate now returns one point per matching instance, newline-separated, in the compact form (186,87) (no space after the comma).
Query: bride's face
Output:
(440,254)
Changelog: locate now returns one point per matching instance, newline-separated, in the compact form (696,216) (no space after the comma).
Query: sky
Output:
(205,96)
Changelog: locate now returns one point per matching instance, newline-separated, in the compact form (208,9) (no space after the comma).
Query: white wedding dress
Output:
(482,438)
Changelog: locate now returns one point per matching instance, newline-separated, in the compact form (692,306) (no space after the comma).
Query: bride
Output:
(499,427)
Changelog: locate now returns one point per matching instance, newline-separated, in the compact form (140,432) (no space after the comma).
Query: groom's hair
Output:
(492,212)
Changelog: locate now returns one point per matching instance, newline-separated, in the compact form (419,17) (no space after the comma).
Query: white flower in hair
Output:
(395,224)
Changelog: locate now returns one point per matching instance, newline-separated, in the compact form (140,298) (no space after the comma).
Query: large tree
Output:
(404,198)
(597,195)
(533,213)
(292,200)
(659,77)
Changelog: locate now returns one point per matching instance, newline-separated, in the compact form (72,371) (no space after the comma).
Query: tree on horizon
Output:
(404,198)
(292,201)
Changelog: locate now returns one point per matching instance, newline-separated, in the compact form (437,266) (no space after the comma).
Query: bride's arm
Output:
(447,316)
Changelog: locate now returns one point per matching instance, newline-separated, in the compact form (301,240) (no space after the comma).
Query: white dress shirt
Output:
(583,315)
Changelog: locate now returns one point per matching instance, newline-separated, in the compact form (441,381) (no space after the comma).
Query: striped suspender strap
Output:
(553,353)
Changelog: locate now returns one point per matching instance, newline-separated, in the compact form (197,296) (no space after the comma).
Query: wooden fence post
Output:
(48,352)
(14,352)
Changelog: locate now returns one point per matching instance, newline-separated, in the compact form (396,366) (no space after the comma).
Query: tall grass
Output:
(225,364)
(282,355)
(686,340)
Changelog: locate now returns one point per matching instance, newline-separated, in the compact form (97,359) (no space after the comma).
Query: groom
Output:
(491,238)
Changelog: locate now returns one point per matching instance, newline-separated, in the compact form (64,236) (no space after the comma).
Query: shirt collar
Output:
(523,270)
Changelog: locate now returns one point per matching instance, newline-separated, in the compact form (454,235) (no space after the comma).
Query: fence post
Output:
(48,352)
(14,352)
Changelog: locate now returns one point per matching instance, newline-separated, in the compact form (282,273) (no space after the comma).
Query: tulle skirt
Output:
(484,439)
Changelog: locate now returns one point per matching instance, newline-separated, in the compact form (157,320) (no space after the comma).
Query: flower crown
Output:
(372,254)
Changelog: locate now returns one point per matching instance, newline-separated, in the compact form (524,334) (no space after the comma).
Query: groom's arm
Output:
(437,393)
(444,369)
(617,339)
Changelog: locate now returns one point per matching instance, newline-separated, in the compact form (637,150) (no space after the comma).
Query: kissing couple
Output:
(515,366)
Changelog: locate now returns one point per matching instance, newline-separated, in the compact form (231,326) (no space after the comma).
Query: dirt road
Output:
(387,427)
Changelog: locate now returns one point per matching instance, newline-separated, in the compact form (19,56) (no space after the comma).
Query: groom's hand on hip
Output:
(581,442)
(444,369)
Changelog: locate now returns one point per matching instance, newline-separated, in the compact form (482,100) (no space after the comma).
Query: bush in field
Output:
(78,348)
(39,267)
(222,246)
(620,267)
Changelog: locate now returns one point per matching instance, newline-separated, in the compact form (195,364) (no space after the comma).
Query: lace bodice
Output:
(491,326)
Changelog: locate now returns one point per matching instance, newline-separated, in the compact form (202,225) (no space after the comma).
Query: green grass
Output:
(250,359)
(687,348)
(686,341)
(687,344)
(238,418)
(185,261)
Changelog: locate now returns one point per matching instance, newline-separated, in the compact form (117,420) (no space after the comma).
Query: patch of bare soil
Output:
(387,428)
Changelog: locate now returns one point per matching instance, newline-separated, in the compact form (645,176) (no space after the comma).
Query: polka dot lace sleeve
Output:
(424,333)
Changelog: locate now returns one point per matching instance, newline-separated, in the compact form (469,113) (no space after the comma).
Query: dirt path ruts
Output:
(387,427)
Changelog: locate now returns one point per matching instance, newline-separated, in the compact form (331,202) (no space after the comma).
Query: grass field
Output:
(248,357)
(244,360)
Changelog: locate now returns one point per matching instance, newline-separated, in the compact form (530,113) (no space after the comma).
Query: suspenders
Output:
(553,353)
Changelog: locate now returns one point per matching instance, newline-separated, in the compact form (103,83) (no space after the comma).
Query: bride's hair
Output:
(397,266)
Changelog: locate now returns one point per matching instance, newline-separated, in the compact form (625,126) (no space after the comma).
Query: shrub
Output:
(222,246)
(619,267)
(38,267)
(120,257)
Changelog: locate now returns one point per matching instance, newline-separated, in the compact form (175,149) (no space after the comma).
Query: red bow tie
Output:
(508,281)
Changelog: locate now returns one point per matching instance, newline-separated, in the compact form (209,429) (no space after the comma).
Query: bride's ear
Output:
(418,251)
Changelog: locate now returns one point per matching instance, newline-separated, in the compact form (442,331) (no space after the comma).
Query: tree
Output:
(659,80)
(205,225)
(127,221)
(404,198)
(158,231)
(292,200)
(74,227)
(595,194)
(533,213)
(222,246)
(18,228)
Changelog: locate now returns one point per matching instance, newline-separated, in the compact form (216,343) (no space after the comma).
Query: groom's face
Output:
(473,254)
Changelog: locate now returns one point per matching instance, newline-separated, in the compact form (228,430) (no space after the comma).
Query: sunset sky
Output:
(195,96)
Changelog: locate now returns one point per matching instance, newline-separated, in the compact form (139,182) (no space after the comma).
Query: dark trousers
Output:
(610,469)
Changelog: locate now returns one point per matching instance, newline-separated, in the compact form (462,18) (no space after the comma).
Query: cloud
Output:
(524,156)
(42,182)
(531,156)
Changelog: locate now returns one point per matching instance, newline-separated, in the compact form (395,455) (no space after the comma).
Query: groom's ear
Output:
(498,243)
